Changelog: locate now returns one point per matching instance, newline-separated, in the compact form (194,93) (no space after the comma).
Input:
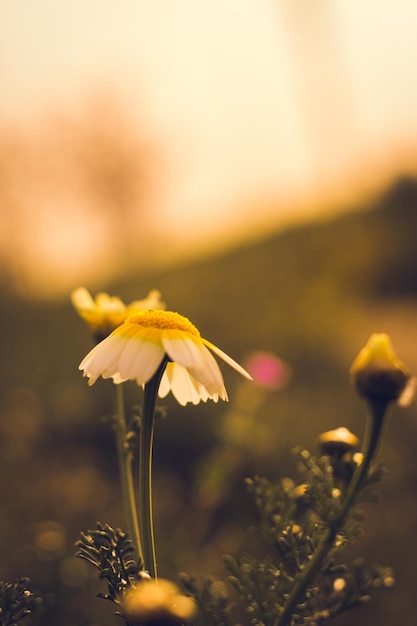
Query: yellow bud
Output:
(377,372)
(337,442)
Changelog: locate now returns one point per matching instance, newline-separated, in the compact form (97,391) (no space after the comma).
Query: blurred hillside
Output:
(312,295)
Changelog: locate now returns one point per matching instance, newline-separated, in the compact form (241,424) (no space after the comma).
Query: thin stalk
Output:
(147,427)
(374,422)
(125,459)
(373,428)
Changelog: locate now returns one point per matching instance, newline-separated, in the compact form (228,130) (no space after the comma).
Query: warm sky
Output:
(252,100)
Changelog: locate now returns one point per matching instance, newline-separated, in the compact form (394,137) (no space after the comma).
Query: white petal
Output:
(208,373)
(205,395)
(185,387)
(140,358)
(109,304)
(91,379)
(109,359)
(122,356)
(177,379)
(164,385)
(152,301)
(200,363)
(181,348)
(100,357)
(117,379)
(227,359)
(82,299)
(126,363)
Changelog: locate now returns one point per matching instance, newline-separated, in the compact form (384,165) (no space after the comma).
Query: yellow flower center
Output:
(155,318)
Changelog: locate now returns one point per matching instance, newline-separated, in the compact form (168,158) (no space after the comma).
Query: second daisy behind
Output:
(137,348)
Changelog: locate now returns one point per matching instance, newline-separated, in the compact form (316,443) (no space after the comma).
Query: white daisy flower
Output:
(136,349)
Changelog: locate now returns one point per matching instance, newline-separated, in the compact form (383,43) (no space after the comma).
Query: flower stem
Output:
(373,428)
(125,458)
(145,469)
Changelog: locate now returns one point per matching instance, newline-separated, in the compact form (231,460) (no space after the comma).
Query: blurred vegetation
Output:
(312,295)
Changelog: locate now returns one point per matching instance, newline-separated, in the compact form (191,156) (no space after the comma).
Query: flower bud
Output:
(337,442)
(158,603)
(377,373)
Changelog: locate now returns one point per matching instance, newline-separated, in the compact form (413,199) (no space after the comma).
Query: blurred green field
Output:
(312,295)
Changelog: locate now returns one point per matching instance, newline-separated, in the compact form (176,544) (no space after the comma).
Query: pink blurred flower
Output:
(267,370)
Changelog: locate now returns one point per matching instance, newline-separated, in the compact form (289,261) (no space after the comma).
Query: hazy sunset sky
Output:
(252,100)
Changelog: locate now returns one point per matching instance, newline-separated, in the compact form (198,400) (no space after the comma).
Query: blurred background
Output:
(256,163)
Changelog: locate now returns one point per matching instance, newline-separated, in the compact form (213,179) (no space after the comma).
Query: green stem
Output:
(145,469)
(372,434)
(373,428)
(125,467)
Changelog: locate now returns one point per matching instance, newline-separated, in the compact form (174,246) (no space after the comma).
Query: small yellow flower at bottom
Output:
(158,603)
(136,349)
